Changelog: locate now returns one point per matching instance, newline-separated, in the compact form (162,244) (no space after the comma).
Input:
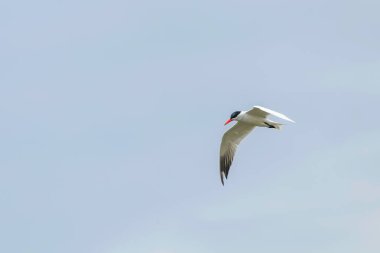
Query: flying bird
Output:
(246,122)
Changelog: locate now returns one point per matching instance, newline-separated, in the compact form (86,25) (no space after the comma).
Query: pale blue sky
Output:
(112,114)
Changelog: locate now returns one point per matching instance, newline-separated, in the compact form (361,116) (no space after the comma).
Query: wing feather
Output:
(263,112)
(230,142)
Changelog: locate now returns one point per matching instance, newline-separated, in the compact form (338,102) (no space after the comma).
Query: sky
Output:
(112,115)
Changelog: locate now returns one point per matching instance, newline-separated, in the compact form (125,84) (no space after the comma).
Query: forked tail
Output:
(272,124)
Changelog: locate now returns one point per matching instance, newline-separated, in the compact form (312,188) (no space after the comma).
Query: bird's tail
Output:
(272,124)
(277,125)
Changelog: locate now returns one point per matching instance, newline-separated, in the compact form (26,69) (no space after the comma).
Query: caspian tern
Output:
(246,122)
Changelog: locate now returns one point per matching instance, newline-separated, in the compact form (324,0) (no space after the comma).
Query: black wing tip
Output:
(224,174)
(221,177)
(225,164)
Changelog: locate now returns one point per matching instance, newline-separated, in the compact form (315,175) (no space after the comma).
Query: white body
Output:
(246,121)
(257,116)
(246,118)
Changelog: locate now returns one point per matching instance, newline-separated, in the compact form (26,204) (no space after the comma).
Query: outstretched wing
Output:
(230,141)
(263,112)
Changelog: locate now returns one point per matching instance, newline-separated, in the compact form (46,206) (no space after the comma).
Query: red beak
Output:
(228,121)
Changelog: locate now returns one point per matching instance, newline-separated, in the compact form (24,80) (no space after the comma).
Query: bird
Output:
(246,122)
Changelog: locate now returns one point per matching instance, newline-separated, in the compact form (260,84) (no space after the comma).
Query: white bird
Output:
(246,122)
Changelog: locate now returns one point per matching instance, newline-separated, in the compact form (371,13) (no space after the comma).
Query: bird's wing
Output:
(230,141)
(263,112)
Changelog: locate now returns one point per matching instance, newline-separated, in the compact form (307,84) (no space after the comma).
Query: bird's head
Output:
(233,117)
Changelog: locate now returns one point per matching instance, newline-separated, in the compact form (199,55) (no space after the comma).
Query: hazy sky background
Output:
(112,114)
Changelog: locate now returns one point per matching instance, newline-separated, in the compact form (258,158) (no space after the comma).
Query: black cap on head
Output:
(235,114)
